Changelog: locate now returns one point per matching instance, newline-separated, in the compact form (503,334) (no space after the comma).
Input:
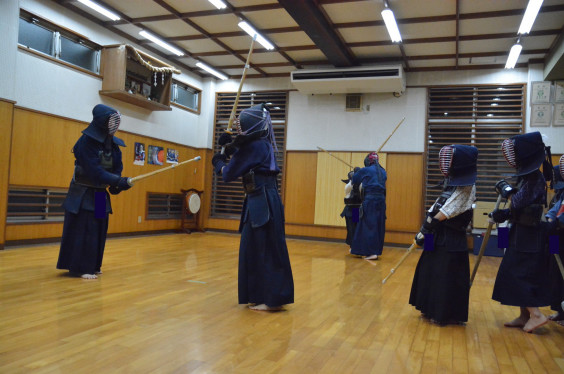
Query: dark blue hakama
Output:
(265,273)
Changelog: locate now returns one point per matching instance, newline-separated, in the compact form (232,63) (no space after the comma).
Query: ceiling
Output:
(437,34)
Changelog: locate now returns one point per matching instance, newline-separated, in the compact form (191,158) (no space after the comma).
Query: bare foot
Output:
(535,322)
(88,276)
(517,322)
(264,307)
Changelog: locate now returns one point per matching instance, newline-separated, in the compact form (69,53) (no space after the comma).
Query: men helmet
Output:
(371,159)
(105,121)
(458,163)
(525,152)
(254,121)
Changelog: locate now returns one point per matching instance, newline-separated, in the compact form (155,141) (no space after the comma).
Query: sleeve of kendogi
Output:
(460,201)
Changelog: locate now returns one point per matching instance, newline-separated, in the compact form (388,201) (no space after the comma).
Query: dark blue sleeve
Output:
(531,191)
(87,152)
(252,155)
(359,176)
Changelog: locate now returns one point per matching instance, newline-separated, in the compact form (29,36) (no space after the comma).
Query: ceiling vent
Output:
(350,80)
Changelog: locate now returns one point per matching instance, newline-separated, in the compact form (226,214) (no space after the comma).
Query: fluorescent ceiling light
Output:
(391,25)
(513,56)
(211,71)
(252,32)
(101,10)
(218,4)
(529,17)
(156,40)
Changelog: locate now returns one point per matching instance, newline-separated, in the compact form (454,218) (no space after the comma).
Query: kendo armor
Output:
(526,153)
(102,128)
(458,164)
(254,123)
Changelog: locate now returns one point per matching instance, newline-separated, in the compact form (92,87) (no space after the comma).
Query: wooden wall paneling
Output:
(30,167)
(129,205)
(404,192)
(330,190)
(317,231)
(42,149)
(300,189)
(6,120)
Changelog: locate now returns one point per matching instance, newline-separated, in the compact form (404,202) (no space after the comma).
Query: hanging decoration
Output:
(147,64)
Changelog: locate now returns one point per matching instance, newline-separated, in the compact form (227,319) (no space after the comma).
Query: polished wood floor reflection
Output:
(168,304)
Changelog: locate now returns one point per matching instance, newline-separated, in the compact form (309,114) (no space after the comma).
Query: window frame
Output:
(488,121)
(198,93)
(58,32)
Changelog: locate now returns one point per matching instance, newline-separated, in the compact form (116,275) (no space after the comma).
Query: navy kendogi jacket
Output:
(87,153)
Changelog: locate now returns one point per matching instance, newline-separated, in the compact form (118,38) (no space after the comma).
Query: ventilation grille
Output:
(353,103)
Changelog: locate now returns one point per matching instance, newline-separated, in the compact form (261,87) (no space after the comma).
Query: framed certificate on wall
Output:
(558,116)
(559,92)
(540,115)
(540,93)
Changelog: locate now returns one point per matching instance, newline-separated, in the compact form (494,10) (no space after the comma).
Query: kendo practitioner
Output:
(98,165)
(352,205)
(555,219)
(265,274)
(368,239)
(522,278)
(441,283)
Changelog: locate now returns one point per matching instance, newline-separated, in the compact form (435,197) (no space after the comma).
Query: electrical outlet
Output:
(139,219)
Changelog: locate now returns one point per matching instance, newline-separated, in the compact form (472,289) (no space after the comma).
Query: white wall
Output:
(321,120)
(43,85)
(9,30)
(318,120)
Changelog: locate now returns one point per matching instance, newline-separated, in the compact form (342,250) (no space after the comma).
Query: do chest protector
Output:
(80,177)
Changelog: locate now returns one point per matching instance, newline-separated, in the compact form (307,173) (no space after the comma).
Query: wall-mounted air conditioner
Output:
(350,80)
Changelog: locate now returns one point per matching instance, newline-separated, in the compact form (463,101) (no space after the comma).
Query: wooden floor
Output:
(168,304)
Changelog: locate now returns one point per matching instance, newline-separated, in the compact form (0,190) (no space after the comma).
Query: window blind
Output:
(482,116)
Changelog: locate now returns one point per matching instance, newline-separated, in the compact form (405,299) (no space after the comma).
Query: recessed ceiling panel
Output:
(497,25)
(309,55)
(377,52)
(484,46)
(225,60)
(425,49)
(246,3)
(431,63)
(419,8)
(183,6)
(428,30)
(357,11)
(137,8)
(200,45)
(289,39)
(170,28)
(266,58)
(270,19)
(218,23)
(279,70)
(478,6)
(364,34)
